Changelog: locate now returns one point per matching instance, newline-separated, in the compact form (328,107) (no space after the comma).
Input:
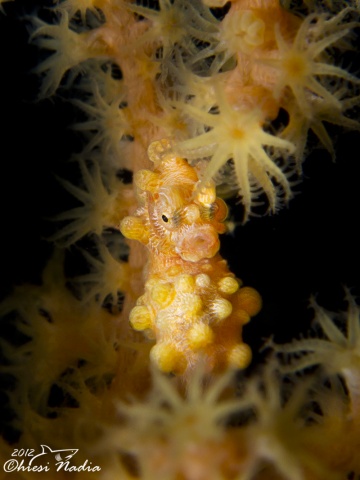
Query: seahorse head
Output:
(178,215)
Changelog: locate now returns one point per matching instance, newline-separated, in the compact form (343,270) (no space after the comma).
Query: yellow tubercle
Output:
(191,305)
(239,356)
(134,229)
(250,300)
(200,335)
(185,283)
(146,180)
(221,309)
(140,318)
(205,194)
(241,316)
(228,285)
(167,358)
(163,294)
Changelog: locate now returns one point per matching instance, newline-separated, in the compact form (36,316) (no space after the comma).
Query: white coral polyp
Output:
(238,134)
(242,31)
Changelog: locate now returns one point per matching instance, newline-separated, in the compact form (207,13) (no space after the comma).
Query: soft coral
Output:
(238,134)
(338,354)
(304,69)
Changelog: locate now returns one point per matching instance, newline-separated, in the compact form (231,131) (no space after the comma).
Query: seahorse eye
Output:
(165,218)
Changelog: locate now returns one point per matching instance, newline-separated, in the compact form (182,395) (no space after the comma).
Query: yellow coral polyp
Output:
(243,31)
(295,66)
(238,134)
(74,6)
(303,63)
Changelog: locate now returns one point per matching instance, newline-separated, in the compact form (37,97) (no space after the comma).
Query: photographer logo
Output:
(28,460)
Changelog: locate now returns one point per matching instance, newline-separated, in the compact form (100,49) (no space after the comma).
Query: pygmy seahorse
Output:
(193,306)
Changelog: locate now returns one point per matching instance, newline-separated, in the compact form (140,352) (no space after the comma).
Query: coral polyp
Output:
(238,134)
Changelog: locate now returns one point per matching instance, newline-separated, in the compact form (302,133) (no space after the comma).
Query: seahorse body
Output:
(193,305)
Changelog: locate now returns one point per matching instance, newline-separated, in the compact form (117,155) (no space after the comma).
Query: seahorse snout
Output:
(197,243)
